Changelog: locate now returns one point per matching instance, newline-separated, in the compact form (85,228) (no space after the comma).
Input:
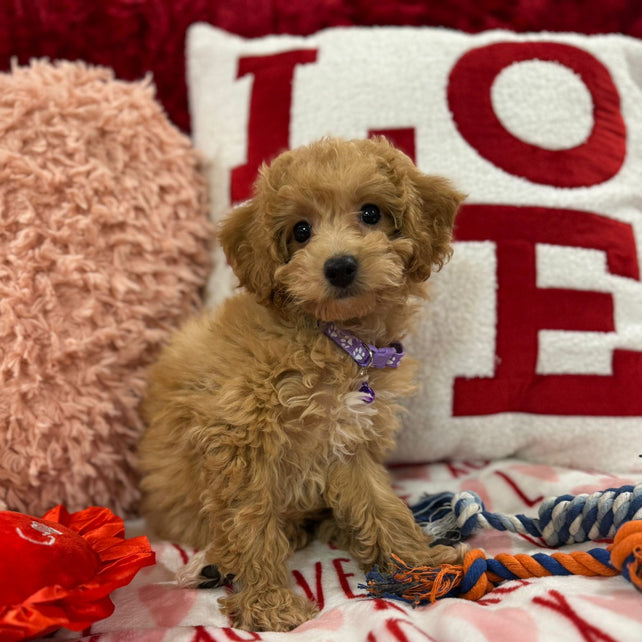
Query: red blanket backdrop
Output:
(135,37)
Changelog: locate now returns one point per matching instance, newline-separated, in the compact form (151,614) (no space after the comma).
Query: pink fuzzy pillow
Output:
(104,248)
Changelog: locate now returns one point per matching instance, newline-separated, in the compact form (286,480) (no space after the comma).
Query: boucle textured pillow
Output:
(532,342)
(103,248)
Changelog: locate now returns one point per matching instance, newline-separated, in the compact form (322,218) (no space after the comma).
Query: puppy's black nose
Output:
(340,270)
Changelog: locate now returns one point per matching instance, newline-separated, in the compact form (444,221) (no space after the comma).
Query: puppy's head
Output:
(338,228)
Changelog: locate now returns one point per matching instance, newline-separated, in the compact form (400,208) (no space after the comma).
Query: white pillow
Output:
(532,341)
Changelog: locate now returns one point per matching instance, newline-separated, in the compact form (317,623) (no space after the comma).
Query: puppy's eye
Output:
(302,231)
(370,214)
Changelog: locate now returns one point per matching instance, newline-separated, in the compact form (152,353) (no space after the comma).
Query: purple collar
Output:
(365,354)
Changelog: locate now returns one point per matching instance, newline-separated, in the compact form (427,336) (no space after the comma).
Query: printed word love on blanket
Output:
(532,341)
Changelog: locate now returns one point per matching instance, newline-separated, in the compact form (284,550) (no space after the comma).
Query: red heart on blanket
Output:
(168,605)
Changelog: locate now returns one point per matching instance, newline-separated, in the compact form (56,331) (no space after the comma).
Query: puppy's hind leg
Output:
(199,573)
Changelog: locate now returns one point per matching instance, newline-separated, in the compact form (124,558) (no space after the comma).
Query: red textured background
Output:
(137,36)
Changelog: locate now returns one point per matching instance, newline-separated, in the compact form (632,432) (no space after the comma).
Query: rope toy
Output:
(566,519)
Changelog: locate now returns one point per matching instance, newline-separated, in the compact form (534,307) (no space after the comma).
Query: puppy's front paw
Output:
(425,555)
(441,554)
(272,609)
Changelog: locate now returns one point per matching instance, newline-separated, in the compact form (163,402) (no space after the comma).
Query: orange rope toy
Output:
(479,575)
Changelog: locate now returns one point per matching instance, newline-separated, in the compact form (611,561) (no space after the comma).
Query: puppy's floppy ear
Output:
(428,221)
(247,245)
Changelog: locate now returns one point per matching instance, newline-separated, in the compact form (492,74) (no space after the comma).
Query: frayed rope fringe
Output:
(479,575)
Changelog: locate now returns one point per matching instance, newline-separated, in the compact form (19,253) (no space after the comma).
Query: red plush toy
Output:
(58,570)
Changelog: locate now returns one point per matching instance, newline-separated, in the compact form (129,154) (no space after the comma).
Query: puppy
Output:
(268,421)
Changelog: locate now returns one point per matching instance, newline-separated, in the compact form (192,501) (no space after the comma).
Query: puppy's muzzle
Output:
(341,270)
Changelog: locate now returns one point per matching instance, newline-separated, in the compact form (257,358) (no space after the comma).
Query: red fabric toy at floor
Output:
(58,570)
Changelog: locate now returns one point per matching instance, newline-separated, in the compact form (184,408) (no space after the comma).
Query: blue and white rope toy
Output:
(614,514)
(567,519)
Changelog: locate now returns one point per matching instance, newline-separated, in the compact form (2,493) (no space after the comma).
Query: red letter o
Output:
(596,160)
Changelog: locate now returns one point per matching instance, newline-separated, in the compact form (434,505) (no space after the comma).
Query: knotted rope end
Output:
(626,552)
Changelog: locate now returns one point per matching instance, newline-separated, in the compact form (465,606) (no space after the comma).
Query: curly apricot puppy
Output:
(269,420)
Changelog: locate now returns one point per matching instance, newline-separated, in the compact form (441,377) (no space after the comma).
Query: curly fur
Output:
(257,437)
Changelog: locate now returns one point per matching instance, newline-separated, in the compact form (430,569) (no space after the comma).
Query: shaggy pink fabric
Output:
(103,248)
